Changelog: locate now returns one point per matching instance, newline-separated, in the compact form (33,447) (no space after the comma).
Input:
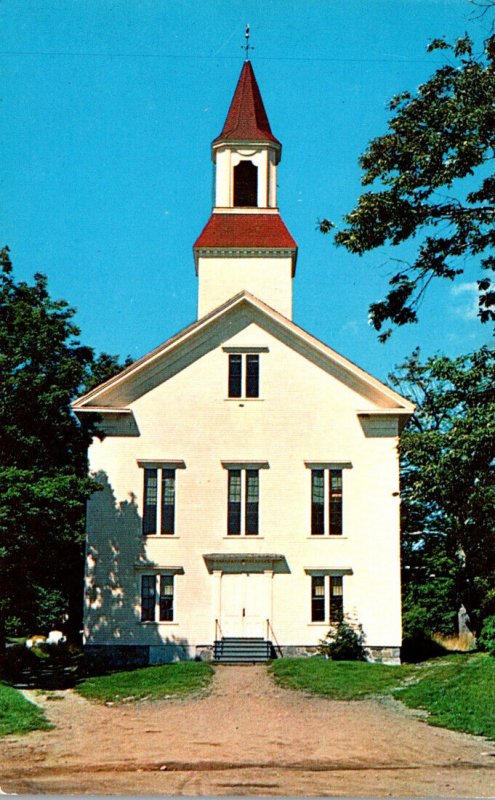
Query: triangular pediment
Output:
(213,331)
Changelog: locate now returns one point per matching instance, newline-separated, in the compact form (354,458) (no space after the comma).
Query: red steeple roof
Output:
(247,117)
(246,231)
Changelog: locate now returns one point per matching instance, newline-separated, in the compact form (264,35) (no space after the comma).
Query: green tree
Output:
(43,472)
(448,489)
(433,181)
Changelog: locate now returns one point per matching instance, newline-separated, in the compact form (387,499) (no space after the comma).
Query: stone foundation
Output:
(204,652)
(384,655)
(102,657)
(169,653)
(298,650)
(376,655)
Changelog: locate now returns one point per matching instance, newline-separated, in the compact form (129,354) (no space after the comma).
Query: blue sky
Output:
(110,108)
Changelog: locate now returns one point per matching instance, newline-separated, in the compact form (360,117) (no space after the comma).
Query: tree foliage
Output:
(43,463)
(432,181)
(486,639)
(448,489)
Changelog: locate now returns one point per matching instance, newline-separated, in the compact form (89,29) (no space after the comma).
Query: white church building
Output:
(249,473)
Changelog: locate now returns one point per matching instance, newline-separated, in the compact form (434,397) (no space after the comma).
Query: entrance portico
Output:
(243,591)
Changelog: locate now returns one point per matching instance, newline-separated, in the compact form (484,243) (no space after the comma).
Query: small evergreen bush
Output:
(344,642)
(486,639)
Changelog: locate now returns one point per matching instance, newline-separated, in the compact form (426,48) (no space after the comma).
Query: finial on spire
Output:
(247,47)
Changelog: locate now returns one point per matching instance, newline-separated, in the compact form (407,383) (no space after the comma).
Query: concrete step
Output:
(240,650)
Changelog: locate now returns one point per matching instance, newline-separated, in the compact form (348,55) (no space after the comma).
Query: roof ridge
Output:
(155,351)
(244,295)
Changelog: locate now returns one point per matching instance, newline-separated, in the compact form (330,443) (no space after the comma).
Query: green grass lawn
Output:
(340,680)
(151,683)
(18,715)
(458,691)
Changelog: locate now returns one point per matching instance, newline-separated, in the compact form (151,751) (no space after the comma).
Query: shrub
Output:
(344,642)
(415,623)
(486,639)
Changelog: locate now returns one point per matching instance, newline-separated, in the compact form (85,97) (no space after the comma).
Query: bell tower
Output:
(245,244)
(246,153)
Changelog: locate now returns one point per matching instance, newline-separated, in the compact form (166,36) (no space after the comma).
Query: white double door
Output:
(245,604)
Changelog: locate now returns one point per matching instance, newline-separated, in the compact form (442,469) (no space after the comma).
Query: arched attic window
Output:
(245,184)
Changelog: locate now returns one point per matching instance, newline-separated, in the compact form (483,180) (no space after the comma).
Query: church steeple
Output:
(246,152)
(245,244)
(246,119)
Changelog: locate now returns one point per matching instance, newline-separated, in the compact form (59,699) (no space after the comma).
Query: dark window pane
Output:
(166,598)
(235,375)
(336,598)
(317,502)
(245,184)
(148,598)
(150,501)
(234,502)
(335,502)
(318,598)
(252,376)
(168,501)
(252,501)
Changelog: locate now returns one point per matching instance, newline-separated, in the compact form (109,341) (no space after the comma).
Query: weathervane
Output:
(247,47)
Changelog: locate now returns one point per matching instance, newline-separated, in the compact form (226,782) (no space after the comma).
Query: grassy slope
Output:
(458,691)
(150,682)
(340,680)
(18,715)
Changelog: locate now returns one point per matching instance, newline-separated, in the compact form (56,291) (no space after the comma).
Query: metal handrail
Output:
(218,630)
(273,637)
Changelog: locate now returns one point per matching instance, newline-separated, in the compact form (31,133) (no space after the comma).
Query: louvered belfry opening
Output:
(245,184)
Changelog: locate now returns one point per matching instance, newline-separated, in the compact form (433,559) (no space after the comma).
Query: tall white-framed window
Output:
(158,597)
(327,595)
(243,502)
(243,498)
(159,497)
(327,498)
(244,372)
(244,375)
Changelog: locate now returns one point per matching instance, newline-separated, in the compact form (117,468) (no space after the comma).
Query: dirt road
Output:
(246,737)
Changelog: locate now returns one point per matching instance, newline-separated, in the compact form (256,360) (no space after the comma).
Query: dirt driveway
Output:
(246,737)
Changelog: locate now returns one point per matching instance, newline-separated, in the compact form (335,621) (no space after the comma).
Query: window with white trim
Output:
(157,598)
(327,598)
(326,502)
(243,502)
(244,375)
(159,501)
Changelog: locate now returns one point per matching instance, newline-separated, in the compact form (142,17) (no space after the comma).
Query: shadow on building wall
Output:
(115,561)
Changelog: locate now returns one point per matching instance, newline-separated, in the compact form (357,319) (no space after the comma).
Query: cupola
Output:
(246,153)
(245,245)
